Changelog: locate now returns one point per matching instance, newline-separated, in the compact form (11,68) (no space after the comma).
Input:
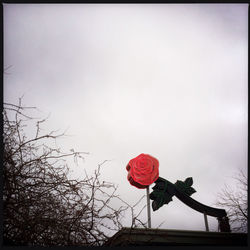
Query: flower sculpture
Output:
(143,170)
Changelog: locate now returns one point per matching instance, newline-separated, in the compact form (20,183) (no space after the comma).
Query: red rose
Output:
(143,170)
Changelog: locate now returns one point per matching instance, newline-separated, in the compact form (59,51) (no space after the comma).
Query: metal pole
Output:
(206,223)
(148,206)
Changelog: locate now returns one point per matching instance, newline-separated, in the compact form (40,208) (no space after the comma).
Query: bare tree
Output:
(235,202)
(42,206)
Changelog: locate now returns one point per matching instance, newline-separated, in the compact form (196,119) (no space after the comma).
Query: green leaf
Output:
(181,185)
(185,187)
(189,191)
(162,194)
(189,181)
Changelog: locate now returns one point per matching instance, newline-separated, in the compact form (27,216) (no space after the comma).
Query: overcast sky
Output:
(168,80)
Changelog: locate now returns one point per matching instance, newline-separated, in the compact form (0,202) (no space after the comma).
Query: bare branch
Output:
(235,202)
(42,206)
